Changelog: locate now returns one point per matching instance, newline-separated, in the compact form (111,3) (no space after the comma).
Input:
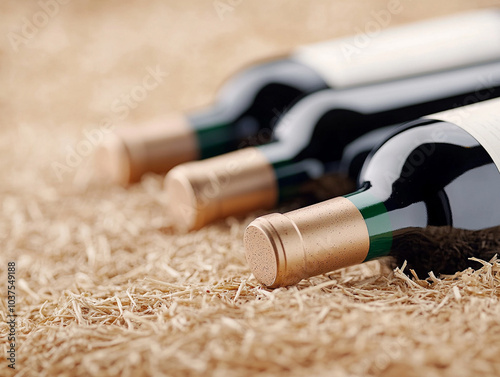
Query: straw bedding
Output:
(104,284)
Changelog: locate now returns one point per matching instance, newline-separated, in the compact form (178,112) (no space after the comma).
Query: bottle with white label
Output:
(429,196)
(251,102)
(309,142)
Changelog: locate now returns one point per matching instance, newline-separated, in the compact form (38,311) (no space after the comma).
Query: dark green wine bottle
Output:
(249,104)
(428,196)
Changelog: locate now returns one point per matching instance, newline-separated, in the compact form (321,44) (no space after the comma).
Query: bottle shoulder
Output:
(284,72)
(431,172)
(419,145)
(260,91)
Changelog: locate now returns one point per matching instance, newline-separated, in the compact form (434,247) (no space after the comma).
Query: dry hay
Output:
(107,287)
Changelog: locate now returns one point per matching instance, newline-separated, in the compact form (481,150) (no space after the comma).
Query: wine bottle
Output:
(429,195)
(310,138)
(249,103)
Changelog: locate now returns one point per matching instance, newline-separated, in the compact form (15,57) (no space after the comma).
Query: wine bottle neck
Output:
(214,131)
(377,221)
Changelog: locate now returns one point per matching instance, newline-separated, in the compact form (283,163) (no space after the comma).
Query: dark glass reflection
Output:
(250,104)
(440,188)
(319,127)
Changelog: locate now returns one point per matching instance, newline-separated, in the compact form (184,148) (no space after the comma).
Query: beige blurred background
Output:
(106,287)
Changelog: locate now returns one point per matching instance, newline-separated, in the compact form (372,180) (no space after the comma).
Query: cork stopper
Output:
(235,183)
(283,249)
(128,153)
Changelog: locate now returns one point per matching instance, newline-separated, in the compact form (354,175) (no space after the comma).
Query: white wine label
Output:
(424,47)
(481,120)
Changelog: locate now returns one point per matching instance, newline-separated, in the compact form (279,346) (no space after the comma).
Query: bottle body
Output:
(428,196)
(435,190)
(252,101)
(248,106)
(319,127)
